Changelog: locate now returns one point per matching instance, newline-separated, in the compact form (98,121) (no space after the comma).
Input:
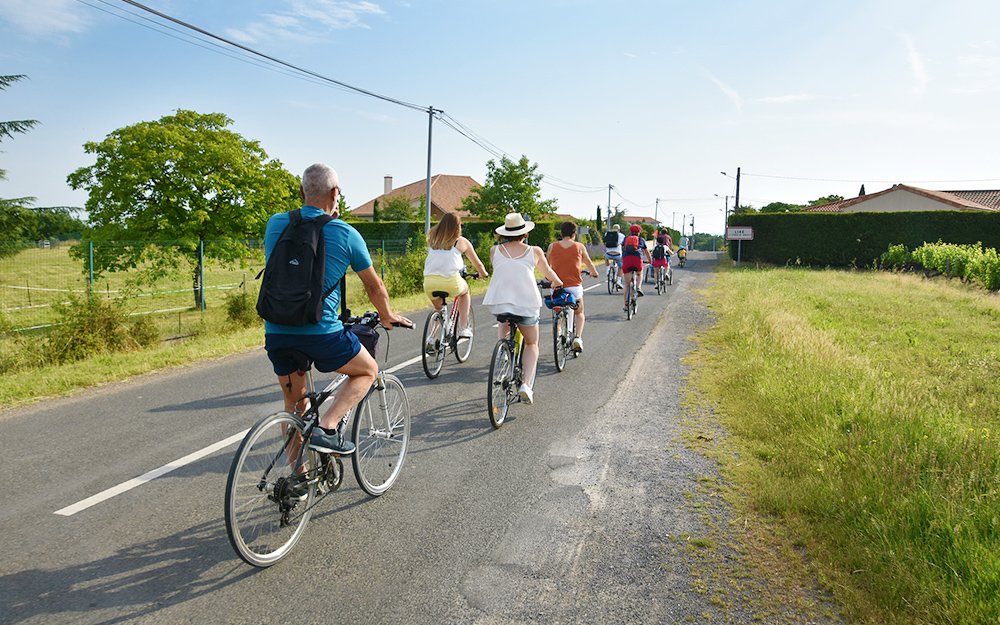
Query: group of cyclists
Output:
(512,292)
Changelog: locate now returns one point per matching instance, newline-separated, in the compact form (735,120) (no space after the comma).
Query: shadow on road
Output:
(133,582)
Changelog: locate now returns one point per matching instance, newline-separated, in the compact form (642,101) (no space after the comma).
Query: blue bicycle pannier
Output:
(559,297)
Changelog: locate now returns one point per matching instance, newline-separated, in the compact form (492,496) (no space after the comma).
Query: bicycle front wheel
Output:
(463,346)
(381,433)
(265,513)
(433,348)
(560,340)
(500,383)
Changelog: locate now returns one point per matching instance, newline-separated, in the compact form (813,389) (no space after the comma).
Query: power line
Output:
(272,59)
(296,71)
(183,37)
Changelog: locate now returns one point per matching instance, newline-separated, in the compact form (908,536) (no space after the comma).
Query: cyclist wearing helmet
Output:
(634,251)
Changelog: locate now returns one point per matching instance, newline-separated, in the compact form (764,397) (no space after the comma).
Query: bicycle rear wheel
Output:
(659,280)
(264,517)
(381,433)
(432,351)
(560,340)
(500,383)
(463,346)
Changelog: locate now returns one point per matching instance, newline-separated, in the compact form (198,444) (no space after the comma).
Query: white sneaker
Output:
(525,394)
(465,333)
(577,344)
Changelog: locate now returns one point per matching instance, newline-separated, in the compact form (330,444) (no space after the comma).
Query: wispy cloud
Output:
(45,17)
(916,61)
(729,92)
(631,55)
(307,20)
(787,99)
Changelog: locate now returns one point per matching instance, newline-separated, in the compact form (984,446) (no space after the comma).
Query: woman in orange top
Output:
(565,257)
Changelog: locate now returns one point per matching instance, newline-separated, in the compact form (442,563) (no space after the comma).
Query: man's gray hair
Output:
(616,228)
(319,179)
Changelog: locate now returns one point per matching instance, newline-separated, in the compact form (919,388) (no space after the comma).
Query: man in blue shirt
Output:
(326,343)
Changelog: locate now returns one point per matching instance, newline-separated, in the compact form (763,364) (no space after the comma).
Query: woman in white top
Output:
(513,290)
(442,269)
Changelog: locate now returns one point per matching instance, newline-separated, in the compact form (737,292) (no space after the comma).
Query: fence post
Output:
(383,260)
(90,266)
(201,272)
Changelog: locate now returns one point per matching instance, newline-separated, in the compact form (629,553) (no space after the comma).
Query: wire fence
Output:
(36,281)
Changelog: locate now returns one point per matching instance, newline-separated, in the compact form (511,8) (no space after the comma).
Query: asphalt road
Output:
(579,509)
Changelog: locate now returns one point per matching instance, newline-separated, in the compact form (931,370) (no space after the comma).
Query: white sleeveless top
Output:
(512,287)
(443,262)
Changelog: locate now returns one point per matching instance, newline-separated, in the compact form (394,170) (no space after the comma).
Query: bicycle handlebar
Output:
(372,320)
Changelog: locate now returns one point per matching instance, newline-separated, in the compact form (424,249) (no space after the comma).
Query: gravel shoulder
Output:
(637,525)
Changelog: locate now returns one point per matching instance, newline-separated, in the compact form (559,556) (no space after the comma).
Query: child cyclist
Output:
(442,270)
(565,257)
(634,251)
(513,290)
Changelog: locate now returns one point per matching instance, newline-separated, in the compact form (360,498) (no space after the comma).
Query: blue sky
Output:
(654,97)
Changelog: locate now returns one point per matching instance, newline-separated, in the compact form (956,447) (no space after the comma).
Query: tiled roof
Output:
(989,199)
(957,199)
(447,193)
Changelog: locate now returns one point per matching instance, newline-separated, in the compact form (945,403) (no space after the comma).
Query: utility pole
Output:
(736,206)
(609,203)
(430,129)
(656,212)
(673,220)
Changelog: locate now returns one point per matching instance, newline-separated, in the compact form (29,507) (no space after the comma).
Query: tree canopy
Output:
(509,188)
(399,208)
(180,179)
(15,216)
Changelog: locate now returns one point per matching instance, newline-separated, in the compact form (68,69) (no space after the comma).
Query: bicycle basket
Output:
(560,298)
(367,337)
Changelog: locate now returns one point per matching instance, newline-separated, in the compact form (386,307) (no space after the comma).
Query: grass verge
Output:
(215,338)
(864,409)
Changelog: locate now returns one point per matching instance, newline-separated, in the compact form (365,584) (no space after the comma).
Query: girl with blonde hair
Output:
(446,248)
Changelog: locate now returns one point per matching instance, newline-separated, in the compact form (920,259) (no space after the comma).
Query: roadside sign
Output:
(739,233)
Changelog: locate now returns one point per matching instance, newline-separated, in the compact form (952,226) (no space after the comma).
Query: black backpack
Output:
(291,293)
(611,239)
(658,252)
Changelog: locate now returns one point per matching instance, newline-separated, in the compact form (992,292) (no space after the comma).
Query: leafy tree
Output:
(399,208)
(182,179)
(510,187)
(54,222)
(780,207)
(830,199)
(598,222)
(14,215)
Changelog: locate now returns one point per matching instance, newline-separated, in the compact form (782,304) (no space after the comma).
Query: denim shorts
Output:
(521,320)
(328,352)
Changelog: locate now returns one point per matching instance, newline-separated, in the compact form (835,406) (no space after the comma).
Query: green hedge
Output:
(544,232)
(859,239)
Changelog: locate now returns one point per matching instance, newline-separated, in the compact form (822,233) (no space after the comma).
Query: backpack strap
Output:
(345,312)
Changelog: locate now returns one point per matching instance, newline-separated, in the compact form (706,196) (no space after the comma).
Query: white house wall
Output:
(898,201)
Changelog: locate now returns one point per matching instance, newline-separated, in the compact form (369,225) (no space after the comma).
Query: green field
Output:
(863,409)
(32,281)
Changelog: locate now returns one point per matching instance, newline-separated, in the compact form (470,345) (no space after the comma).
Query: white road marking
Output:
(152,475)
(176,464)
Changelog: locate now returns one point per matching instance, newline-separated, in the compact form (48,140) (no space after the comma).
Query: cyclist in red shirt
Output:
(634,251)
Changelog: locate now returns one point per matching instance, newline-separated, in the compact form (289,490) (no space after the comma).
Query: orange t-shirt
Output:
(565,261)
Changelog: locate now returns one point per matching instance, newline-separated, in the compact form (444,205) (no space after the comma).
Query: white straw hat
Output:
(514,225)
